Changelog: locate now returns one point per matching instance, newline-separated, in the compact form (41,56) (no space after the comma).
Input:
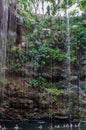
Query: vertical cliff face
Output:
(12,21)
(3,44)
(3,36)
(3,18)
(3,27)
(37,102)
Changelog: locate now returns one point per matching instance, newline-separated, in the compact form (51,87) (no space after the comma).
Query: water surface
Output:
(26,125)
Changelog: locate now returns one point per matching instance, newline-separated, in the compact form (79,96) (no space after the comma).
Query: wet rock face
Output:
(3,18)
(33,104)
(23,106)
(22,102)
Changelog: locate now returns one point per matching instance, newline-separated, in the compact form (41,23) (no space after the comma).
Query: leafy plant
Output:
(54,99)
(56,91)
(51,113)
(40,81)
(33,83)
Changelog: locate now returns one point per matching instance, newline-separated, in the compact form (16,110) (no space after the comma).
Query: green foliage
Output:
(40,81)
(58,55)
(63,3)
(74,59)
(78,41)
(51,113)
(54,99)
(83,5)
(25,5)
(55,91)
(17,59)
(54,7)
(43,53)
(44,49)
(33,83)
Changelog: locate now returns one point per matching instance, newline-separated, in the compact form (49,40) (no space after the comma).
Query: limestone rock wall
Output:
(19,101)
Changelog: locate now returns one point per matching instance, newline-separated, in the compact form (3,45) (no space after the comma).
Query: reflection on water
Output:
(41,125)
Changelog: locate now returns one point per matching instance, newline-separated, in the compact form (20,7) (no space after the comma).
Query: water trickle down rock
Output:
(3,42)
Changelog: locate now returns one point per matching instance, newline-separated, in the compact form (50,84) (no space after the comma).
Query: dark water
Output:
(34,125)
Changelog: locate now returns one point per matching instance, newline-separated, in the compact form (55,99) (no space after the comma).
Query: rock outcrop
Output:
(20,101)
